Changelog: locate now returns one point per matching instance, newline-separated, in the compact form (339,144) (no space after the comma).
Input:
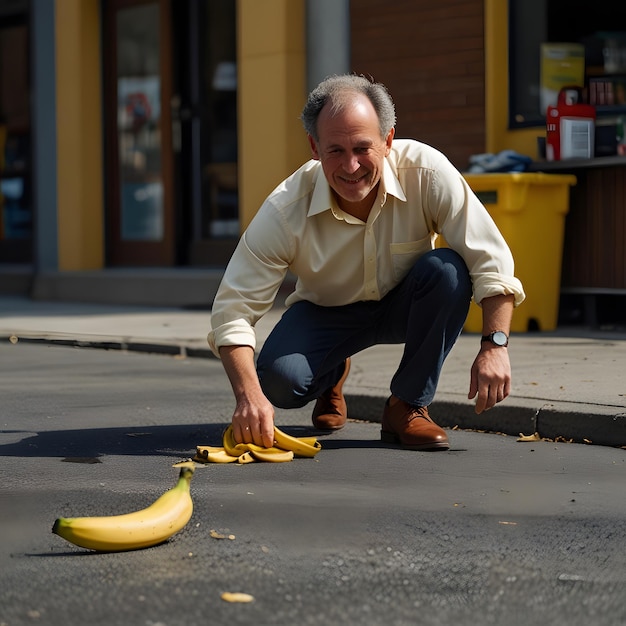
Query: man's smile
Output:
(352,181)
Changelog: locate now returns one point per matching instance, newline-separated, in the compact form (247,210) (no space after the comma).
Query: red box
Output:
(570,127)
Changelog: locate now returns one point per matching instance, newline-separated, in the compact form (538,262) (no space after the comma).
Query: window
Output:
(599,28)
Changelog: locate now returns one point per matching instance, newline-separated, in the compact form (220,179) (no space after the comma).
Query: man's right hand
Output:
(253,419)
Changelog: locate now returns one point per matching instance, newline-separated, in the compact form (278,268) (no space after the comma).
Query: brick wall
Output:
(430,55)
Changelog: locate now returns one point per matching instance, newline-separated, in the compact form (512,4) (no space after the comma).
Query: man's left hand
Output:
(490,378)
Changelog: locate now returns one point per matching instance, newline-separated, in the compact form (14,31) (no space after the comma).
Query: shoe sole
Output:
(388,437)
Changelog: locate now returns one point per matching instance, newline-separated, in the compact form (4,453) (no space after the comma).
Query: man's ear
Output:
(389,141)
(314,150)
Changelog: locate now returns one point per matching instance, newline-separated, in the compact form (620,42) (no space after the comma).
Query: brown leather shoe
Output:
(412,428)
(330,411)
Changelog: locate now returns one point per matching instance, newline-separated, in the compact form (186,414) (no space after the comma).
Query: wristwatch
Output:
(498,338)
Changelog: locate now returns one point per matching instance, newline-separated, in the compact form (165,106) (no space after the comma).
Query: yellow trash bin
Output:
(529,210)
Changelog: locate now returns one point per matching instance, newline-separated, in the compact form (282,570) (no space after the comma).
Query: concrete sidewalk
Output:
(568,384)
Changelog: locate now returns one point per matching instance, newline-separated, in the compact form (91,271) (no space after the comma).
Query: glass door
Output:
(16,210)
(140,223)
(205,113)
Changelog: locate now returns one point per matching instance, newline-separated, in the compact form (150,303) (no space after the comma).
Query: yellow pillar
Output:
(271,94)
(499,136)
(79,135)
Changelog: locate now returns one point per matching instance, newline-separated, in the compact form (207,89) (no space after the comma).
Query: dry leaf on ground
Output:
(237,597)
(533,437)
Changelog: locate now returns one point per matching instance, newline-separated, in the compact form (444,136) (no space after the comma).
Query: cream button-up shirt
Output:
(338,259)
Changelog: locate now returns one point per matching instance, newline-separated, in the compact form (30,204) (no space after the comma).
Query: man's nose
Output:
(351,163)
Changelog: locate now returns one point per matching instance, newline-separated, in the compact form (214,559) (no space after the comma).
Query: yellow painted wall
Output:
(272,90)
(271,94)
(499,137)
(79,135)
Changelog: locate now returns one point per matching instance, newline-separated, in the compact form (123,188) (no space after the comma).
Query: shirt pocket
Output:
(404,255)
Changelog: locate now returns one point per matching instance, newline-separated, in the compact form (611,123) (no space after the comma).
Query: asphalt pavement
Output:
(493,532)
(568,385)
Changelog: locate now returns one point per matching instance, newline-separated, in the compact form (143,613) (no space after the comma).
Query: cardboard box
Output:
(562,65)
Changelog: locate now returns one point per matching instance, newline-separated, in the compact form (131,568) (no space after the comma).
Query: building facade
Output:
(141,136)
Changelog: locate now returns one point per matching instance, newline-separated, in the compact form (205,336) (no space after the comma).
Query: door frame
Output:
(117,251)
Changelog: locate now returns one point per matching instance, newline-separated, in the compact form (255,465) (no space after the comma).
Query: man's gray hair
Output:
(336,90)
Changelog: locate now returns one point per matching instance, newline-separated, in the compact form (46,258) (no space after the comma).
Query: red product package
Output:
(570,127)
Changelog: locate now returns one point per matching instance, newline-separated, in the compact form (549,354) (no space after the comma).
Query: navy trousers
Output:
(305,352)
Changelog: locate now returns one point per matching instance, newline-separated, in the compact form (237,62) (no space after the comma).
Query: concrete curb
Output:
(587,424)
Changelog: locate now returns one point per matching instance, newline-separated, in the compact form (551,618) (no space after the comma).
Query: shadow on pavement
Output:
(87,445)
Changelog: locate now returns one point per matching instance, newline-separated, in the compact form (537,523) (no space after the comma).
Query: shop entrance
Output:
(16,210)
(139,185)
(171,88)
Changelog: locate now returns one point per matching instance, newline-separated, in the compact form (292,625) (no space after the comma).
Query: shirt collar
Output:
(322,199)
(391,184)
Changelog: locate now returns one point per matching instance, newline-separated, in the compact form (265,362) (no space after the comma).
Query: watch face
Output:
(499,338)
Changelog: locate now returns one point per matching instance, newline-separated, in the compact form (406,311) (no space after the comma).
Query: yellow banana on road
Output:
(141,529)
(221,456)
(299,447)
(246,457)
(285,448)
(230,445)
(271,455)
(311,441)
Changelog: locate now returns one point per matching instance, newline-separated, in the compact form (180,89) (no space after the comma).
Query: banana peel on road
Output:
(285,448)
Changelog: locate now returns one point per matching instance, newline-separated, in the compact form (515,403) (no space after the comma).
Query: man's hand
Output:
(253,419)
(490,377)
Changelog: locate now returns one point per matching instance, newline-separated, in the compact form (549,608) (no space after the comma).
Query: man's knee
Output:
(284,380)
(448,268)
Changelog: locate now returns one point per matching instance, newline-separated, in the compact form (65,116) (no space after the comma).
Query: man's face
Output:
(352,153)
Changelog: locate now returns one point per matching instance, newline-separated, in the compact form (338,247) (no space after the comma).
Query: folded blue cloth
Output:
(505,161)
